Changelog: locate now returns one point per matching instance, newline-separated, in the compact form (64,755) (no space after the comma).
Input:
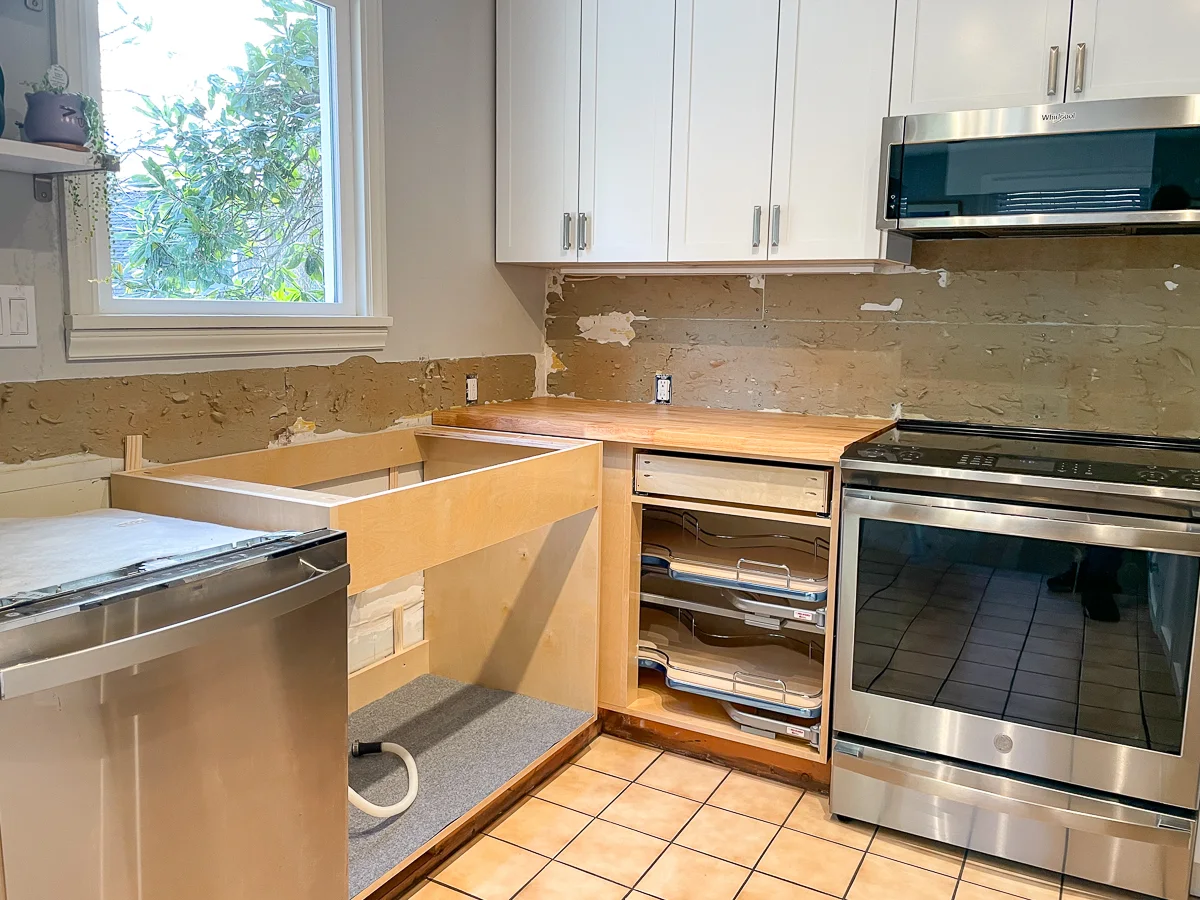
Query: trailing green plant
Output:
(88,193)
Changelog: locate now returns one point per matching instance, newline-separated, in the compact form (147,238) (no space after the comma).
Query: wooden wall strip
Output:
(308,463)
(423,525)
(223,502)
(381,678)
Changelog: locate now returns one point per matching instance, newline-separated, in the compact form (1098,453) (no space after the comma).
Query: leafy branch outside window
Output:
(230,202)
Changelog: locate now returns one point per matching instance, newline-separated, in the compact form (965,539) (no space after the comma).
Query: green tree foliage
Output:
(231,202)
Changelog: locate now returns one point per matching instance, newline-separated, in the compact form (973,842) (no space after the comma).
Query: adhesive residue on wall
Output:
(610,328)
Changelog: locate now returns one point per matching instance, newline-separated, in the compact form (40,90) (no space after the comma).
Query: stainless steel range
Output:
(1015,647)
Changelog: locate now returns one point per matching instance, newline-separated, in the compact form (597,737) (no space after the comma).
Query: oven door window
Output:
(1107,172)
(1082,639)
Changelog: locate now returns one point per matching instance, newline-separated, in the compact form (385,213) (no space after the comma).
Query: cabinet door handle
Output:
(583,233)
(566,233)
(756,231)
(775,216)
(1052,75)
(1080,54)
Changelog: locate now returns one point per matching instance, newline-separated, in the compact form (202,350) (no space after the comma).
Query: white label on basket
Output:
(796,732)
(800,613)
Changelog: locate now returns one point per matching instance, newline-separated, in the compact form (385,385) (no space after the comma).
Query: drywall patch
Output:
(610,328)
(548,363)
(758,282)
(1171,285)
(894,306)
(46,419)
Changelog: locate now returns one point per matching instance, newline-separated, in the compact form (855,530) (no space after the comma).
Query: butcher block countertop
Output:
(784,436)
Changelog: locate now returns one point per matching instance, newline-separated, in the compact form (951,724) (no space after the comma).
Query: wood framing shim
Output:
(381,678)
(133,453)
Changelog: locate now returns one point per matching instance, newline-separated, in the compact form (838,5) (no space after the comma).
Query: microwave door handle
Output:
(1052,74)
(56,671)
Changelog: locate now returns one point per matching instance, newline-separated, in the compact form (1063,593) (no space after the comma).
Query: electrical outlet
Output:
(662,388)
(18,319)
(472,390)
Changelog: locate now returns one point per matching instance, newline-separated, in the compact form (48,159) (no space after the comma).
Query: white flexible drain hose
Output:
(385,812)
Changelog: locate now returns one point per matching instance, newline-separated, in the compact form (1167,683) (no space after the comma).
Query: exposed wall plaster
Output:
(1058,332)
(210,413)
(610,328)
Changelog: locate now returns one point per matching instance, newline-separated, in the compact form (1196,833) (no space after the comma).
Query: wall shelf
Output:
(39,159)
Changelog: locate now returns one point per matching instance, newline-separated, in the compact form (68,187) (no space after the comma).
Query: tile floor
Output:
(999,642)
(626,821)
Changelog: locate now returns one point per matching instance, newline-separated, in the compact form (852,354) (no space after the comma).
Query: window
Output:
(240,221)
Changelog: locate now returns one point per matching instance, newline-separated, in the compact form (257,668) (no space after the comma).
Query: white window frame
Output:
(99,327)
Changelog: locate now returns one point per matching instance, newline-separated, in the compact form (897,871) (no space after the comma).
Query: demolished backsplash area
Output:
(1092,333)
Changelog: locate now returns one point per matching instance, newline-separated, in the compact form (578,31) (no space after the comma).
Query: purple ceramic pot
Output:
(55,119)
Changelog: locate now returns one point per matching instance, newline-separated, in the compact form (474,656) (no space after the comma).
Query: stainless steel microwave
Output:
(1103,166)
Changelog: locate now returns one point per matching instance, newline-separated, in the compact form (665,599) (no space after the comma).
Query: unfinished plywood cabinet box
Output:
(504,528)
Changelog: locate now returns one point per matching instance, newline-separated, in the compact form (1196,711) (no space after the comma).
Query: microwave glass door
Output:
(1075,638)
(1091,172)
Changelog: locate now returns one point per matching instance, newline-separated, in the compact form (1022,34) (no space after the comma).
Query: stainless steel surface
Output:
(1054,118)
(566,231)
(776,214)
(1080,63)
(190,760)
(1052,73)
(1067,758)
(56,671)
(1047,119)
(1098,839)
(756,229)
(583,231)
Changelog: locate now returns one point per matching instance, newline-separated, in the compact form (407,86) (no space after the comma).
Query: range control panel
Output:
(1083,470)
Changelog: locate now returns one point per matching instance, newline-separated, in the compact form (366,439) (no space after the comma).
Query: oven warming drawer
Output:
(1099,840)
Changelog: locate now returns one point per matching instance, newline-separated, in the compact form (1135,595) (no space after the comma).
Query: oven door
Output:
(1048,642)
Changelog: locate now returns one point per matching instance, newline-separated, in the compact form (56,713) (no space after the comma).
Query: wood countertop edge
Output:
(566,417)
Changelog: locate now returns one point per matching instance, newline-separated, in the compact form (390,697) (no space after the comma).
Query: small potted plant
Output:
(55,117)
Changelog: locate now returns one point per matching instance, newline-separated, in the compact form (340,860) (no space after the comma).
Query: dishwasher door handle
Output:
(56,671)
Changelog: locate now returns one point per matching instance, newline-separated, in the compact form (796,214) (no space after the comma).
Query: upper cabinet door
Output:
(537,130)
(625,135)
(723,121)
(835,60)
(1133,48)
(979,54)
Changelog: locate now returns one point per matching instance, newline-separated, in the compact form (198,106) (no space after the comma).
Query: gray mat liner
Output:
(467,741)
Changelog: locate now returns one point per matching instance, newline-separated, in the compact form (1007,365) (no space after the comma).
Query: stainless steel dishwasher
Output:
(172,710)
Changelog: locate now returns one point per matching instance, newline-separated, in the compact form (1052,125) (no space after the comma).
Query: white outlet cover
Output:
(26,308)
(662,388)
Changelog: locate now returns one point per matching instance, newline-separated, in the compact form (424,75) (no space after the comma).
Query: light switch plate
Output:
(18,316)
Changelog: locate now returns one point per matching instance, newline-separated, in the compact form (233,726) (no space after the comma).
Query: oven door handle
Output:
(985,791)
(56,671)
(1044,522)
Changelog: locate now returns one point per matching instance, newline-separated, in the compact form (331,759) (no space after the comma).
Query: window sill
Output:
(173,337)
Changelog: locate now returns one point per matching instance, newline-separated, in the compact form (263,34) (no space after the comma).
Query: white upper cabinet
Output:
(724,113)
(625,132)
(980,54)
(537,130)
(1134,48)
(831,97)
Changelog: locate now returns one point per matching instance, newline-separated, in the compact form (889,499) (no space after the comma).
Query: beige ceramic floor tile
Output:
(539,826)
(812,816)
(1077,889)
(683,874)
(727,835)
(767,800)
(764,887)
(556,882)
(430,890)
(968,891)
(651,812)
(684,777)
(615,757)
(906,848)
(614,852)
(886,879)
(582,789)
(811,862)
(491,870)
(1011,878)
